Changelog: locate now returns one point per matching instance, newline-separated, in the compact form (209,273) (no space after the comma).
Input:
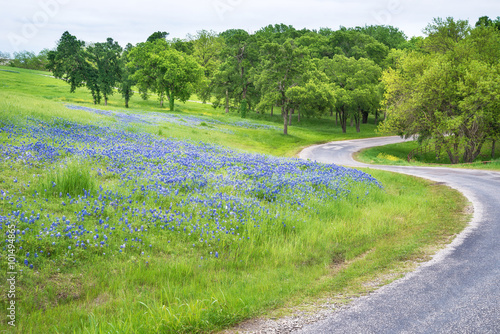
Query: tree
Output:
(127,81)
(232,82)
(207,48)
(68,61)
(158,35)
(314,97)
(29,60)
(357,87)
(105,57)
(185,46)
(4,56)
(390,36)
(356,44)
(165,71)
(450,95)
(484,21)
(442,35)
(282,68)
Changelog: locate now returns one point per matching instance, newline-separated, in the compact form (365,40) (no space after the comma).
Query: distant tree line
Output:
(347,73)
(306,73)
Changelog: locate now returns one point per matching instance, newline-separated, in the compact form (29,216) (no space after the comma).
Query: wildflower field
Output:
(117,229)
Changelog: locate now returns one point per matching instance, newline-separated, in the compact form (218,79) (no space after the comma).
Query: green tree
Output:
(70,62)
(282,68)
(450,95)
(314,97)
(357,87)
(163,70)
(207,48)
(127,81)
(356,44)
(4,56)
(442,35)
(390,36)
(484,21)
(232,82)
(158,35)
(30,60)
(105,58)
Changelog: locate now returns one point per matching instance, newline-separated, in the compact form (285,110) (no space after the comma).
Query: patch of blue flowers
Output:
(154,191)
(184,120)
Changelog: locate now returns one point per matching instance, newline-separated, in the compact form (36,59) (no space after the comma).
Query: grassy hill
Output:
(144,221)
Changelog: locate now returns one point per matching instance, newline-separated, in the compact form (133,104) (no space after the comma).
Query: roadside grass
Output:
(396,154)
(182,237)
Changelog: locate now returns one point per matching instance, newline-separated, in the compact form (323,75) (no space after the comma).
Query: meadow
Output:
(144,221)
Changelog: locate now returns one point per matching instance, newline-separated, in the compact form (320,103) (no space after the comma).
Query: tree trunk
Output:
(285,120)
(227,101)
(171,101)
(298,116)
(357,119)
(438,150)
(105,100)
(352,123)
(376,117)
(336,117)
(365,117)
(331,113)
(453,158)
(343,120)
(272,109)
(493,149)
(472,151)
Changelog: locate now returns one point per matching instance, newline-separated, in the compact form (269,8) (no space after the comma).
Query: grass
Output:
(315,229)
(396,154)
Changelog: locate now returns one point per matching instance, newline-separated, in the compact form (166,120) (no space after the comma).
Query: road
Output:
(458,291)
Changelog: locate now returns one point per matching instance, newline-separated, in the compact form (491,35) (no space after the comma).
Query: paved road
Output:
(458,291)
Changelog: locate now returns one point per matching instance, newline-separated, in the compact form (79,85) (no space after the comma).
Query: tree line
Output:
(307,73)
(442,86)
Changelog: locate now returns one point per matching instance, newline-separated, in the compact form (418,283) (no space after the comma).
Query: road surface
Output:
(458,291)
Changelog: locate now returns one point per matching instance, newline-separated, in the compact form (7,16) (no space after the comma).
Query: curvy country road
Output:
(458,291)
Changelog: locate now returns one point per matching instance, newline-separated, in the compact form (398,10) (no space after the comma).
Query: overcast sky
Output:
(33,25)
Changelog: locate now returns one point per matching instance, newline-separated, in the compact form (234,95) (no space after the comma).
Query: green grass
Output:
(334,248)
(396,154)
(72,179)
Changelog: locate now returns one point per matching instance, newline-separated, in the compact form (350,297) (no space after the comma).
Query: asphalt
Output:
(458,291)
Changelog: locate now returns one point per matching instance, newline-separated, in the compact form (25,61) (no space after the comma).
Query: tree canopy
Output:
(161,69)
(440,86)
(450,94)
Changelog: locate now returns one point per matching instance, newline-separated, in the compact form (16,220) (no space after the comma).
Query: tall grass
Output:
(71,179)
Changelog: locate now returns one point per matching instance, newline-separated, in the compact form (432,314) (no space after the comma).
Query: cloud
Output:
(37,24)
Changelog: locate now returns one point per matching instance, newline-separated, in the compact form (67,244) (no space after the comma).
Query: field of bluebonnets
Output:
(119,228)
(117,191)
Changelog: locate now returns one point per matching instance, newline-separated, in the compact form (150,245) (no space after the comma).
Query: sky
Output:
(33,25)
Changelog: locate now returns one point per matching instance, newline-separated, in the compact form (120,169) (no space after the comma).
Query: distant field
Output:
(142,221)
